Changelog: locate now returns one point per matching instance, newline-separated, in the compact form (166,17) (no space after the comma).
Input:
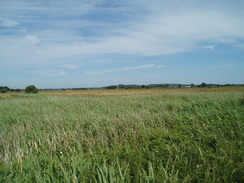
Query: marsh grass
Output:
(179,137)
(115,92)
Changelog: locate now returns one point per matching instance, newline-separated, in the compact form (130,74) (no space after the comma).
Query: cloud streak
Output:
(70,66)
(51,73)
(138,67)
(77,35)
(172,31)
(8,23)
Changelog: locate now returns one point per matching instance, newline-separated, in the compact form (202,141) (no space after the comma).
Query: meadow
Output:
(141,136)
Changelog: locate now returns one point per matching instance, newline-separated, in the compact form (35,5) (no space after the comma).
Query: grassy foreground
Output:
(183,137)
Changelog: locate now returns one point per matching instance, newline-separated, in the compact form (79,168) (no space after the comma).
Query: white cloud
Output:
(4,22)
(68,34)
(32,39)
(209,47)
(70,66)
(165,27)
(223,66)
(125,69)
(158,34)
(51,73)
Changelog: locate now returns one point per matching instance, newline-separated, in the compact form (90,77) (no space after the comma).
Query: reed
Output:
(157,137)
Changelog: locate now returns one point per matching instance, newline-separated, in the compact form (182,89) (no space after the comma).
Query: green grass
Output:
(195,137)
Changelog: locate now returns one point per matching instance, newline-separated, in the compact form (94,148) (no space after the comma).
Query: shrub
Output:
(31,89)
(111,87)
(203,85)
(4,90)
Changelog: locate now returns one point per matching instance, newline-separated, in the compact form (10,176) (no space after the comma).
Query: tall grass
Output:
(194,137)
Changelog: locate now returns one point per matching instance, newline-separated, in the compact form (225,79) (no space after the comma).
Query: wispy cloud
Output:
(223,66)
(77,35)
(180,27)
(125,69)
(70,66)
(209,47)
(32,39)
(52,73)
(5,22)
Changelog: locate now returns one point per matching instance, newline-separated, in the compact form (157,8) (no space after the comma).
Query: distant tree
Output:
(7,88)
(4,90)
(4,87)
(179,85)
(18,90)
(120,86)
(192,85)
(31,89)
(111,87)
(203,85)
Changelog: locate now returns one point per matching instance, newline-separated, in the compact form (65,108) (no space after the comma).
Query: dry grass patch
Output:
(106,92)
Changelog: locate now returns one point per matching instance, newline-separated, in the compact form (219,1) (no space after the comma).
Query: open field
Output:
(154,135)
(140,91)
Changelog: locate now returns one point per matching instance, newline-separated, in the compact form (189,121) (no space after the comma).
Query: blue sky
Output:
(89,43)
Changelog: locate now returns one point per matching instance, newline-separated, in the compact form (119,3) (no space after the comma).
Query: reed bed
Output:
(136,137)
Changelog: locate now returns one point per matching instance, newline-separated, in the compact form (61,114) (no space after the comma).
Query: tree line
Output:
(33,89)
(28,89)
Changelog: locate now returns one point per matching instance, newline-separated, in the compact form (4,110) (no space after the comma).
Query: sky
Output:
(94,43)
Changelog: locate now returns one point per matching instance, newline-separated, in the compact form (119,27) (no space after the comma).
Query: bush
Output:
(4,90)
(31,89)
(203,85)
(111,87)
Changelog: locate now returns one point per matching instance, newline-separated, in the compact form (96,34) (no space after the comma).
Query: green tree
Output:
(203,84)
(111,87)
(18,90)
(4,90)
(31,89)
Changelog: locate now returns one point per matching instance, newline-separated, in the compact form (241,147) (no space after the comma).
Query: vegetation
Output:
(3,90)
(203,85)
(31,89)
(111,87)
(176,137)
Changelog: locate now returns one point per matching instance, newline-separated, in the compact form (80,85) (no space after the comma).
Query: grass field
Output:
(140,91)
(160,135)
